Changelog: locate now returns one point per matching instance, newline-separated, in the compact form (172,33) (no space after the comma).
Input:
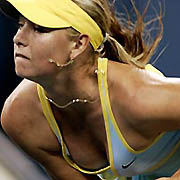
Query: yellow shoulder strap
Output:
(53,124)
(149,67)
(48,112)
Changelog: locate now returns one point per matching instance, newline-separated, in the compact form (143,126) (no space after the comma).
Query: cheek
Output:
(60,49)
(53,48)
(41,52)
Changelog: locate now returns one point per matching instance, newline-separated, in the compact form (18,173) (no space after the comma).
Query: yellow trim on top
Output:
(46,109)
(102,78)
(53,124)
(148,67)
(128,147)
(51,120)
(164,160)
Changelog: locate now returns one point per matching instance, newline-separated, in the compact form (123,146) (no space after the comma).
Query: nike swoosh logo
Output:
(129,164)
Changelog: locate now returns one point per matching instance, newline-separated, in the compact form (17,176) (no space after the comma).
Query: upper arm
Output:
(58,168)
(156,103)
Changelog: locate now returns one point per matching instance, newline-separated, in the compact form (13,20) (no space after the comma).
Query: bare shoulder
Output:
(23,120)
(20,101)
(132,85)
(125,82)
(26,89)
(19,108)
(18,97)
(137,94)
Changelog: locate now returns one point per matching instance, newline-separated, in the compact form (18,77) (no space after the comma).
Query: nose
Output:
(21,37)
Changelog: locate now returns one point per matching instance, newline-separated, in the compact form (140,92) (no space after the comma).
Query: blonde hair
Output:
(125,41)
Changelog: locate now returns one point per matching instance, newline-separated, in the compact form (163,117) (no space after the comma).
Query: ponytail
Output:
(126,44)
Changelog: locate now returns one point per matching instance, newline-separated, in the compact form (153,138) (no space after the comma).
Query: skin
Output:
(139,124)
(176,176)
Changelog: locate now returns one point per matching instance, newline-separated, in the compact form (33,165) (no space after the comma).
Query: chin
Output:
(23,71)
(20,74)
(29,76)
(24,74)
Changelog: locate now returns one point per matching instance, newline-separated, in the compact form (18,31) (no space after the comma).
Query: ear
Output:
(80,44)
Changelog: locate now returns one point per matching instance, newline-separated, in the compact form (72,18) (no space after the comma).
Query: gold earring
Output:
(61,65)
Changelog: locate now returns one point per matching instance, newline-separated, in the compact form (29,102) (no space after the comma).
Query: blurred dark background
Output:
(168,62)
(8,78)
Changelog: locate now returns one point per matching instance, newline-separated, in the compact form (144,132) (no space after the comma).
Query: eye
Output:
(41,29)
(20,25)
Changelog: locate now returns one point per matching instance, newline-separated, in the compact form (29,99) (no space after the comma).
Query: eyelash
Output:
(41,29)
(19,25)
(37,29)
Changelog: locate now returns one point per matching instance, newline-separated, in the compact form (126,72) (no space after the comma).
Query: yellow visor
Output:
(59,14)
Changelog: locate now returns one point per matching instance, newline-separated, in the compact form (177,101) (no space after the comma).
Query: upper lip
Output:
(21,55)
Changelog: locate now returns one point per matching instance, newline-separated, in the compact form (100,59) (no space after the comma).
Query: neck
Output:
(77,82)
